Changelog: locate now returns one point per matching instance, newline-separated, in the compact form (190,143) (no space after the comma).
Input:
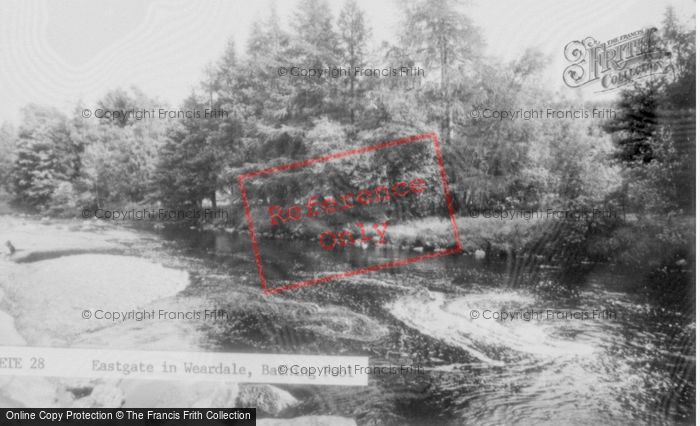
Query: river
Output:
(543,362)
(629,362)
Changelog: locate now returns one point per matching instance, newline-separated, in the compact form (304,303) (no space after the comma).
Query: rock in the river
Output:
(223,396)
(479,254)
(309,421)
(102,396)
(108,396)
(267,399)
(170,394)
(84,402)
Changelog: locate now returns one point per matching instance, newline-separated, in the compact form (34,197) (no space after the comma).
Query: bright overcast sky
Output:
(60,52)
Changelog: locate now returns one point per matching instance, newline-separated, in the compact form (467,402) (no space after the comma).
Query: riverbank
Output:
(498,234)
(59,269)
(492,237)
(625,239)
(62,267)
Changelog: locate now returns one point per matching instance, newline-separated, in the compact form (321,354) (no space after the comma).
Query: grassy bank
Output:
(493,236)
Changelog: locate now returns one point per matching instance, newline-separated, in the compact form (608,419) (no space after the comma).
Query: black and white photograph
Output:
(348,212)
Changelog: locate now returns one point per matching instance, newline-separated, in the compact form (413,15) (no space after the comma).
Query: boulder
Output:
(267,399)
(107,396)
(173,394)
(84,402)
(102,396)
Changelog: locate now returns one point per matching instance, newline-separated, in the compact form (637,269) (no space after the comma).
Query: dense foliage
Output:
(640,161)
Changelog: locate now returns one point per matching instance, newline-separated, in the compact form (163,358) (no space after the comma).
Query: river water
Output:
(633,363)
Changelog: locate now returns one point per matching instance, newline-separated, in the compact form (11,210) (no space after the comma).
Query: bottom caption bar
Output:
(105,416)
(162,365)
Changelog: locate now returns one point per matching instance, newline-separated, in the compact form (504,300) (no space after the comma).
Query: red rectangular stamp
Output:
(349,185)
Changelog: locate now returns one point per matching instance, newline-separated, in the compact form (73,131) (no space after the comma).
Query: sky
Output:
(65,53)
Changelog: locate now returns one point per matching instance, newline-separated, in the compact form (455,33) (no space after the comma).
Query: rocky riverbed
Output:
(61,268)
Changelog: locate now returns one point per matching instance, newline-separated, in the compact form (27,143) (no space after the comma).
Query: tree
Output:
(8,147)
(654,128)
(636,121)
(46,155)
(314,45)
(125,103)
(445,39)
(681,43)
(119,154)
(34,173)
(192,159)
(262,93)
(354,34)
(488,158)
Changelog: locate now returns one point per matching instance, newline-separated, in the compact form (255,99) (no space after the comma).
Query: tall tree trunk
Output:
(444,87)
(352,100)
(352,85)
